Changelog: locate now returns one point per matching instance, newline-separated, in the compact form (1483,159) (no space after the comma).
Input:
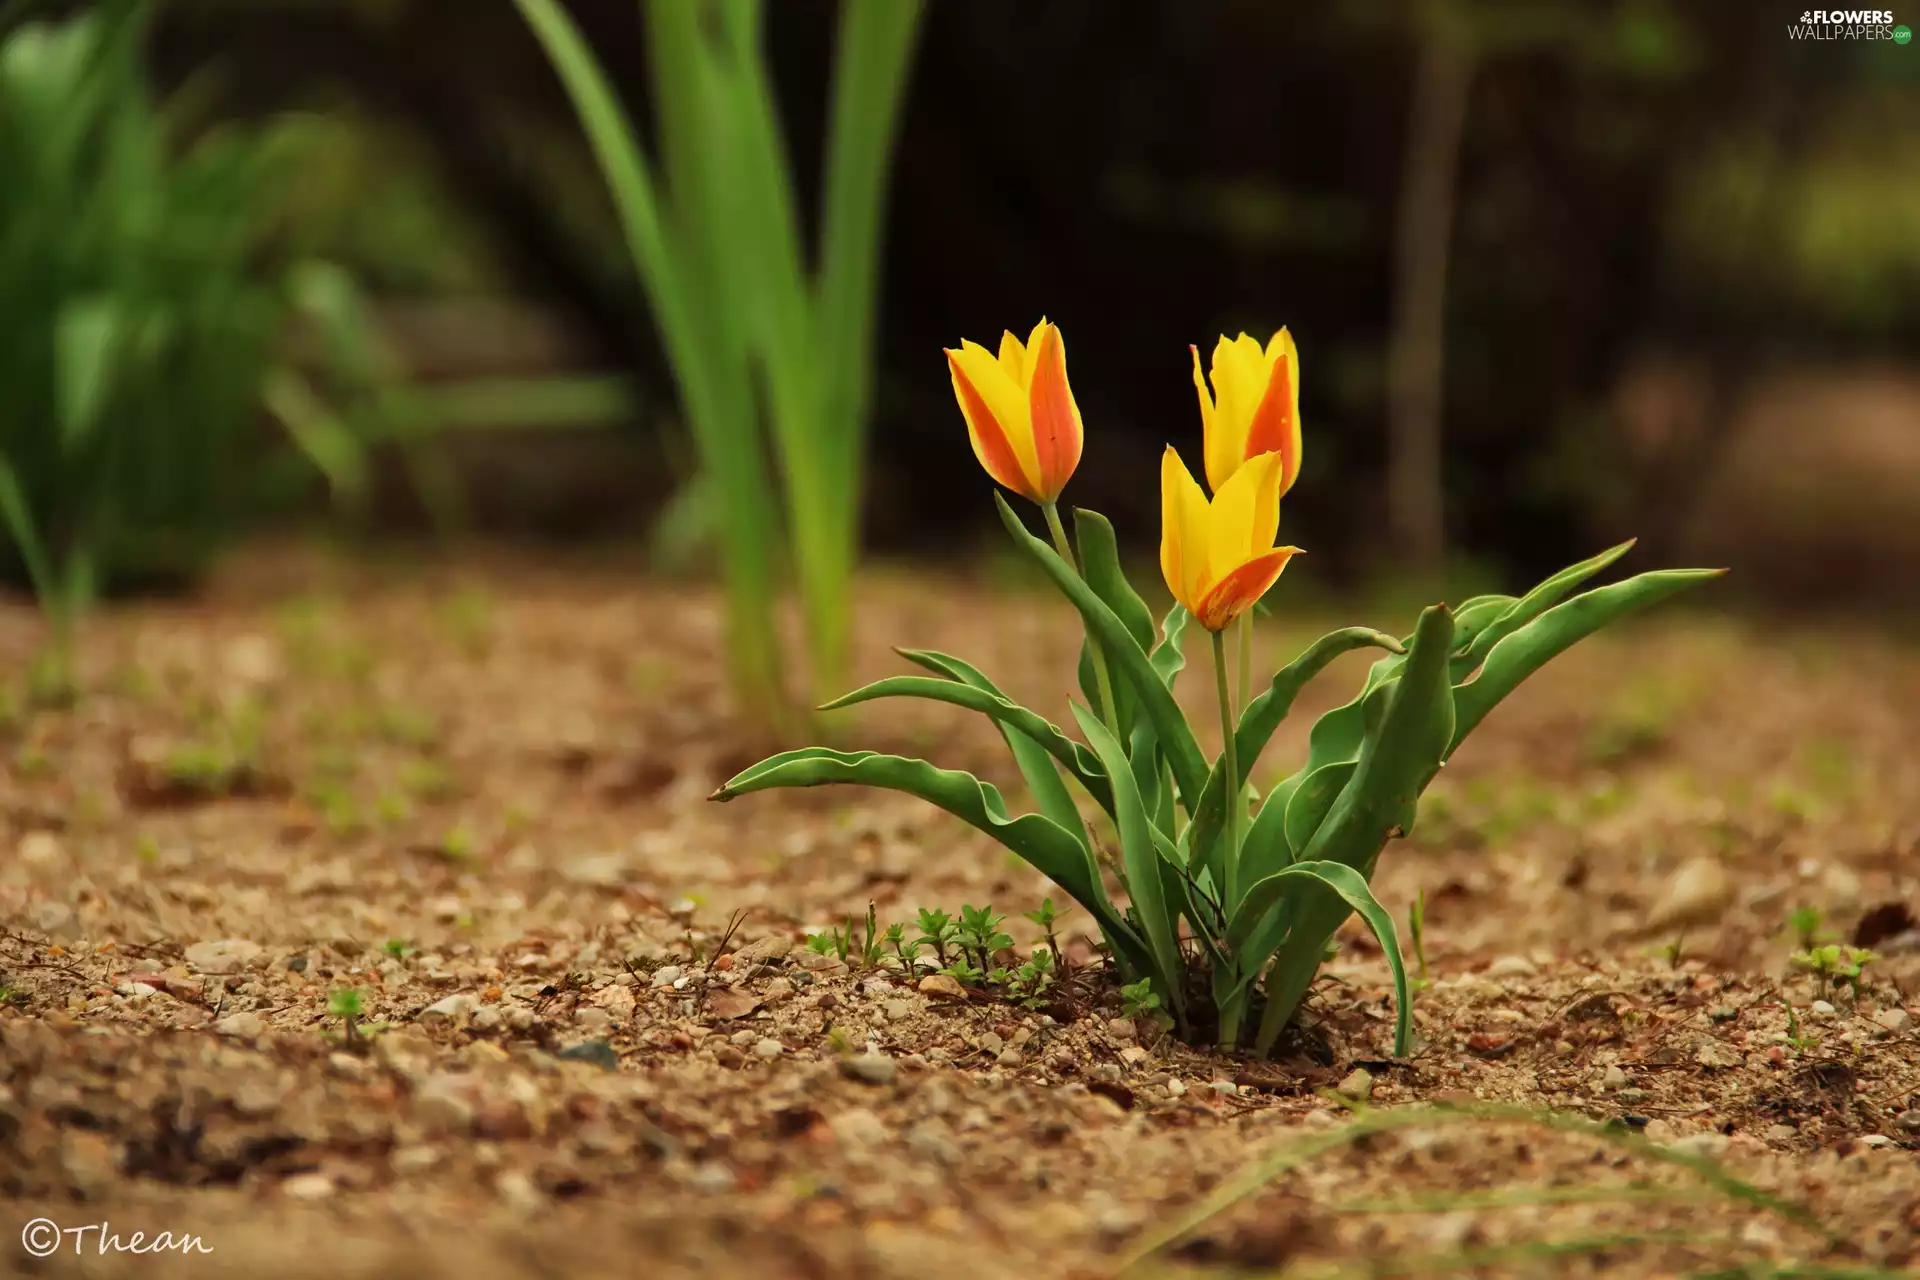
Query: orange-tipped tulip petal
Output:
(1218,557)
(1020,411)
(1254,407)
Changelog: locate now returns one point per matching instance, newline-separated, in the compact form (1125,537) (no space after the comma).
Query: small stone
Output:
(1511,967)
(308,1186)
(1872,1140)
(777,990)
(1318,1119)
(442,1108)
(1615,1078)
(1908,1121)
(39,849)
(1894,1021)
(229,955)
(598,1052)
(731,1002)
(765,950)
(1706,1146)
(941,986)
(1632,1096)
(1709,1052)
(1133,1055)
(593,1018)
(1227,1087)
(991,1042)
(1358,1085)
(711,1176)
(1176,1088)
(1697,893)
(519,1192)
(457,1005)
(1011,1059)
(869,1068)
(1105,1073)
(1824,1008)
(728,1056)
(768,1048)
(666,975)
(488,1018)
(1782,1133)
(414,1159)
(1121,1028)
(859,1128)
(898,1010)
(241,1026)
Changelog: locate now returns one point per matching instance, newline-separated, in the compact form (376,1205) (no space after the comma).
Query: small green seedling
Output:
(1138,1000)
(346,1004)
(980,935)
(397,948)
(1046,916)
(967,975)
(1796,1041)
(1805,923)
(13,996)
(1031,980)
(1674,950)
(937,930)
(1835,966)
(457,845)
(896,937)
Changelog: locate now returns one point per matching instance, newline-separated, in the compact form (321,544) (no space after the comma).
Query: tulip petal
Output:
(1206,397)
(991,444)
(1246,513)
(1240,589)
(1013,358)
(1057,432)
(1275,427)
(1183,529)
(1225,442)
(1006,401)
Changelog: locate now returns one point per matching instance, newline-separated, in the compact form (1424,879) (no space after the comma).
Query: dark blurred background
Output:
(1672,254)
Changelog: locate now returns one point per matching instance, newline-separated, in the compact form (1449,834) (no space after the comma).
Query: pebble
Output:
(1176,1088)
(1318,1119)
(1696,893)
(869,1068)
(941,986)
(1358,1085)
(1875,1140)
(519,1192)
(39,849)
(1105,1073)
(765,950)
(441,1107)
(898,1010)
(666,975)
(1894,1021)
(1707,1146)
(458,1005)
(991,1042)
(859,1128)
(308,1186)
(1908,1120)
(1782,1133)
(768,1048)
(1227,1087)
(778,989)
(228,955)
(1011,1059)
(598,1052)
(244,1026)
(1121,1029)
(1511,967)
(1615,1078)
(1824,1008)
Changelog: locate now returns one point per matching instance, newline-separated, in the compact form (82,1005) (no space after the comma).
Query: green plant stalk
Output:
(707,359)
(1232,1010)
(1109,714)
(1246,661)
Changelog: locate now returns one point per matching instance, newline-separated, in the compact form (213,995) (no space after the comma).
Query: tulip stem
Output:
(1230,862)
(1108,712)
(1246,659)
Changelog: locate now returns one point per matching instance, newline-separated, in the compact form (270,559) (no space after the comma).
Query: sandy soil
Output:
(478,799)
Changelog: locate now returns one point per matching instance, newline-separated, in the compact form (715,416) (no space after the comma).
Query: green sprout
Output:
(1045,916)
(938,931)
(1417,928)
(980,935)
(1835,966)
(397,948)
(896,937)
(346,1004)
(1805,923)
(1138,1000)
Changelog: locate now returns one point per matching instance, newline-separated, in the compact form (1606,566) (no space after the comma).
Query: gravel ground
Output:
(592,1040)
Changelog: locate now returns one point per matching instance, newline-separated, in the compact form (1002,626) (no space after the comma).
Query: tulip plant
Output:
(1232,898)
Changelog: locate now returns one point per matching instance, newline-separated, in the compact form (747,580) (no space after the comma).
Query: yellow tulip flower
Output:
(1254,408)
(1020,412)
(1218,556)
